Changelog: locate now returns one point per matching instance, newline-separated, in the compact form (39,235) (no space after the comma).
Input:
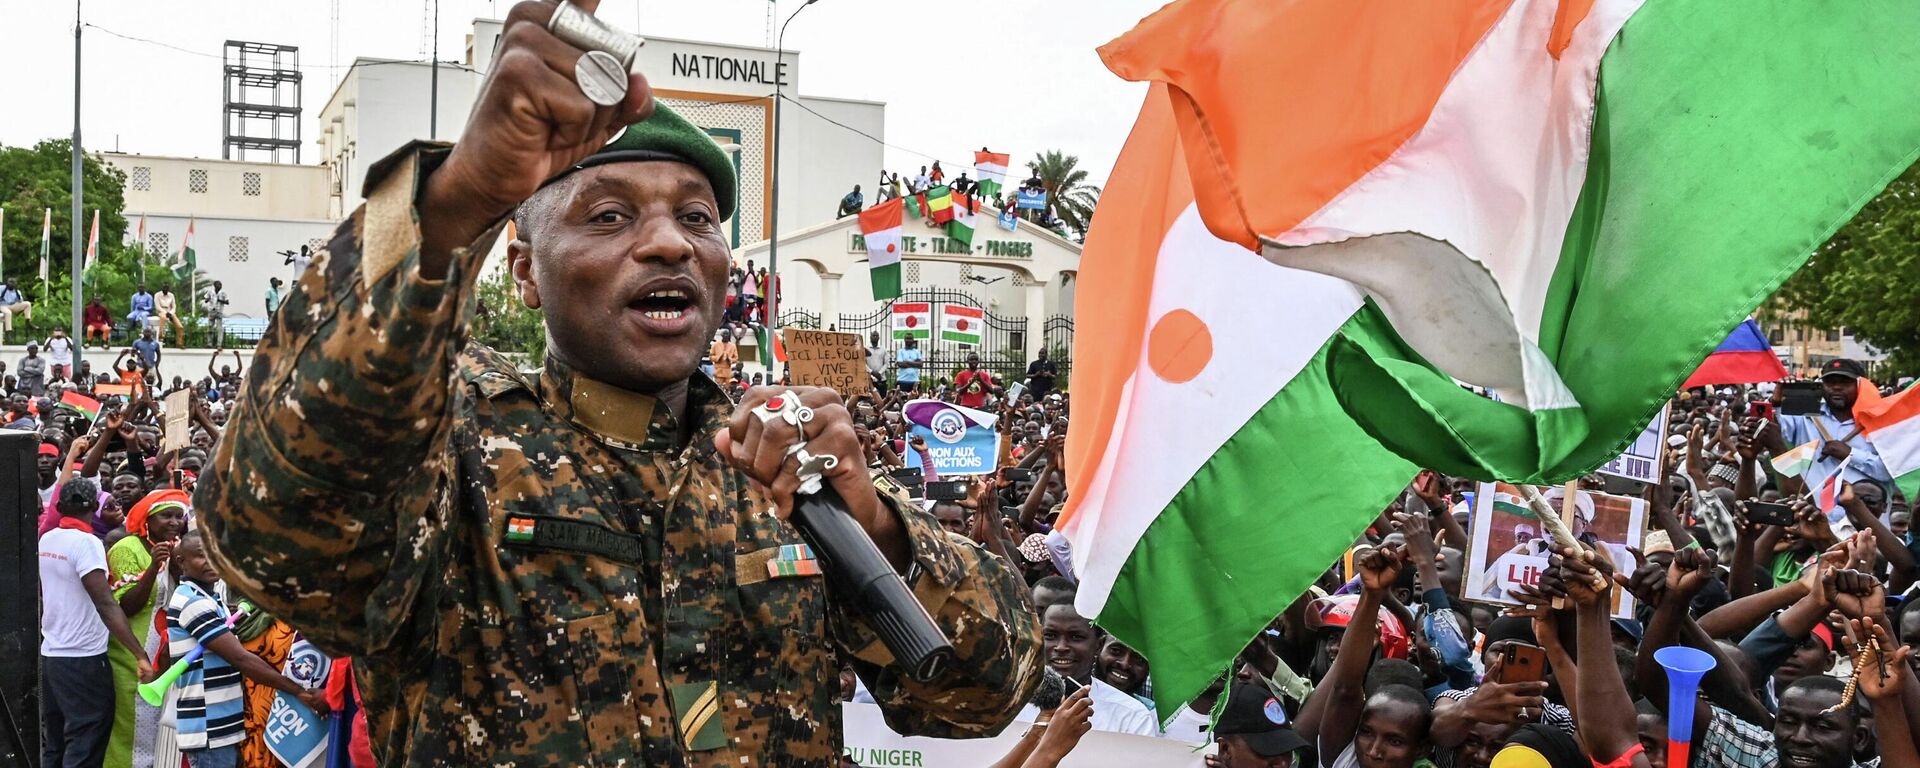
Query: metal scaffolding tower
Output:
(261,82)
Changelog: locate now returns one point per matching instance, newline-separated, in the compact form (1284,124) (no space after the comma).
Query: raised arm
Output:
(1602,695)
(1333,711)
(1899,560)
(305,512)
(1885,682)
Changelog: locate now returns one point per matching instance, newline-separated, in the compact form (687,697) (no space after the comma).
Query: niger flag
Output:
(1492,191)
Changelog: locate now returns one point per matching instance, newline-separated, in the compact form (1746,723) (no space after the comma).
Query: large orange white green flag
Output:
(1893,424)
(1328,215)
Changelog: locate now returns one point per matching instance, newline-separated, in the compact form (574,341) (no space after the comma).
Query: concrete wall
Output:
(185,363)
(243,267)
(822,161)
(163,185)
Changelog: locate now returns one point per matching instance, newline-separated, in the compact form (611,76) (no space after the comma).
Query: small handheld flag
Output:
(1797,461)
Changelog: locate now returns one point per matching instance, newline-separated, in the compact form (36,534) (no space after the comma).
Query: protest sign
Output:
(871,744)
(827,359)
(1031,199)
(961,441)
(1510,545)
(1641,460)
(1008,221)
(295,734)
(179,411)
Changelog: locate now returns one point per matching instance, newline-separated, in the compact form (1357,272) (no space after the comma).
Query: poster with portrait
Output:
(1511,547)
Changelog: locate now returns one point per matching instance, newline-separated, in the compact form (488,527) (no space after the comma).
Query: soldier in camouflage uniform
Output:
(587,564)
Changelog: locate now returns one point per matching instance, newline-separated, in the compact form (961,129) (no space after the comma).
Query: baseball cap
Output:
(49,449)
(1843,367)
(1255,715)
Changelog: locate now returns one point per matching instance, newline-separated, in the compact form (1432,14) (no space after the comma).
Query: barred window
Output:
(250,184)
(140,179)
(237,248)
(159,244)
(197,181)
(913,272)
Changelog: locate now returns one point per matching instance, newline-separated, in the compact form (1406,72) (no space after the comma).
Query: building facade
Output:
(1023,278)
(243,214)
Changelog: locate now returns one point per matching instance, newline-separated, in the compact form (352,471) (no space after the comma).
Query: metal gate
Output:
(1058,341)
(1003,342)
(800,318)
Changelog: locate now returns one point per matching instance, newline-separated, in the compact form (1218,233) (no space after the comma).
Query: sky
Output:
(162,96)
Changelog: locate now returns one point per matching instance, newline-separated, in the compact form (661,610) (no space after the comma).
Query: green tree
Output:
(507,325)
(1867,277)
(34,179)
(1070,199)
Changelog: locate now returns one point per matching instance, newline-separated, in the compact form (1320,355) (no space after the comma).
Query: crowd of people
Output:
(127,591)
(1390,665)
(893,186)
(1807,618)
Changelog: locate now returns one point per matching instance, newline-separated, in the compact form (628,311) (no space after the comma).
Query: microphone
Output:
(856,570)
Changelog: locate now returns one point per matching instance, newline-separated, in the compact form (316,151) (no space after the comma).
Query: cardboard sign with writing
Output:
(827,359)
(179,408)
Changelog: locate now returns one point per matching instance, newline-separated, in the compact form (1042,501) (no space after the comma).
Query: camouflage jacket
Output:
(530,567)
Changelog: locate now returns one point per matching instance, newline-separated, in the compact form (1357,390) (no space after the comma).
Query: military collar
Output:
(626,419)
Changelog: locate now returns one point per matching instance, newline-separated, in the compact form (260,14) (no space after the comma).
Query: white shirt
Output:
(69,625)
(1189,726)
(1113,711)
(60,351)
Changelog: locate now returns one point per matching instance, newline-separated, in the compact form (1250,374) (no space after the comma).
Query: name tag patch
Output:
(569,535)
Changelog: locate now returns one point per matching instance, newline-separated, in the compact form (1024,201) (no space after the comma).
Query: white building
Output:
(380,105)
(243,214)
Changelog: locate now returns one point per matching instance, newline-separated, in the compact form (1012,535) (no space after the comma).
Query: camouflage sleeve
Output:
(328,498)
(977,600)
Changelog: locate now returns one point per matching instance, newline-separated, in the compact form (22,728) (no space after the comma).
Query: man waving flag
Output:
(1496,214)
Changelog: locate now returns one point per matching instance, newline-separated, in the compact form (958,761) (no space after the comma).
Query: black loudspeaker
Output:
(19,598)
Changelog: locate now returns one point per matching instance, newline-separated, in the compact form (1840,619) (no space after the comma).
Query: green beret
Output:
(665,135)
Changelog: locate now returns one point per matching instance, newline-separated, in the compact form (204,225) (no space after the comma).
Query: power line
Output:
(205,55)
(873,138)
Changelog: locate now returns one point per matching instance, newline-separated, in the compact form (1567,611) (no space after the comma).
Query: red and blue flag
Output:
(1744,358)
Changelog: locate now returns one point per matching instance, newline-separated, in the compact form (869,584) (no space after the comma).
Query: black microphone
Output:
(856,570)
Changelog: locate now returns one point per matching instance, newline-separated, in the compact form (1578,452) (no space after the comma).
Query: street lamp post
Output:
(78,193)
(773,220)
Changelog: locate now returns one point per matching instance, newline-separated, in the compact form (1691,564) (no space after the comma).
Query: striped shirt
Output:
(210,694)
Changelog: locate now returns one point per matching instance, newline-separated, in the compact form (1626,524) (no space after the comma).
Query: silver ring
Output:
(601,78)
(587,32)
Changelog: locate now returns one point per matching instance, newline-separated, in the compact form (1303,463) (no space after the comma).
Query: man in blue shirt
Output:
(148,350)
(12,303)
(907,360)
(141,306)
(1840,441)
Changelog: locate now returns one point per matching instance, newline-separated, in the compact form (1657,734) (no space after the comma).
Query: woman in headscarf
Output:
(271,640)
(137,569)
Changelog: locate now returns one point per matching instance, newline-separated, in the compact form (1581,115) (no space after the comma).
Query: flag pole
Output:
(78,192)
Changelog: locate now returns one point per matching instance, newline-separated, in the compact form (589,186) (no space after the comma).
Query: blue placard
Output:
(974,451)
(294,733)
(1008,221)
(1031,199)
